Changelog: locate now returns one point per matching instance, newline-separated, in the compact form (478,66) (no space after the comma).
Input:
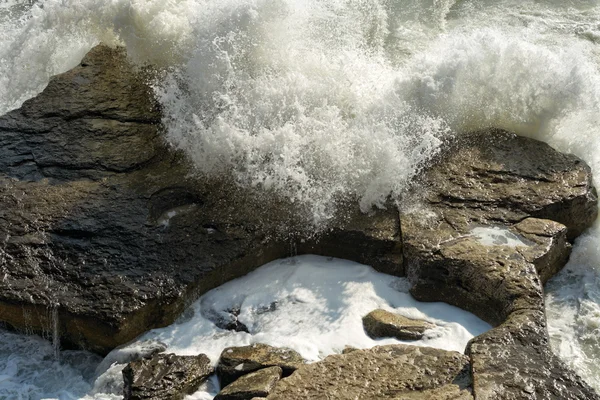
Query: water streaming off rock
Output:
(319,100)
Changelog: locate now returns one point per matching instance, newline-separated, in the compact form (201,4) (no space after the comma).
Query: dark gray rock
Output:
(238,361)
(256,384)
(106,231)
(381,324)
(165,377)
(383,372)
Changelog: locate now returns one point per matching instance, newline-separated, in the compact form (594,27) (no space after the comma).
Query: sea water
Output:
(322,100)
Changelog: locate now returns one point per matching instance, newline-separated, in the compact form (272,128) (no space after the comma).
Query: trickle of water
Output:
(55,333)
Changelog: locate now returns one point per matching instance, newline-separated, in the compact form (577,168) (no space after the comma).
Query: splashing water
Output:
(321,100)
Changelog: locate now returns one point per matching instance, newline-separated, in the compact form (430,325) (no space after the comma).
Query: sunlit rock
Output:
(381,324)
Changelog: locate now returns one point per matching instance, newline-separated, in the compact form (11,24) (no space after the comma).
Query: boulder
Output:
(107,232)
(256,384)
(383,372)
(381,324)
(165,377)
(239,361)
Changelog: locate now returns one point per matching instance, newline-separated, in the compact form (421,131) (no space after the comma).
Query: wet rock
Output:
(383,372)
(256,384)
(238,361)
(514,361)
(494,225)
(130,352)
(230,322)
(381,324)
(107,233)
(165,376)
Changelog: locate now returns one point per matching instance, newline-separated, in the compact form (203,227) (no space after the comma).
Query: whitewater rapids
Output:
(327,100)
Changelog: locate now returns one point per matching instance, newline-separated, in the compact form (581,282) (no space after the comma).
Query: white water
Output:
(281,303)
(324,99)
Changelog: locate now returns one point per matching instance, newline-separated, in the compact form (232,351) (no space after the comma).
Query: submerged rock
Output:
(381,324)
(165,377)
(383,372)
(256,384)
(239,361)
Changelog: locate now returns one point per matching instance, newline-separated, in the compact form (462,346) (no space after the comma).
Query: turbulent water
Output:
(322,100)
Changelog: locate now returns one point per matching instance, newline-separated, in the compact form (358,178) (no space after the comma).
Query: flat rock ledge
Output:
(105,233)
(383,372)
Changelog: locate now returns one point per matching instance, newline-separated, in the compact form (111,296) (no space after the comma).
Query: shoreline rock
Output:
(107,233)
(239,361)
(165,377)
(381,324)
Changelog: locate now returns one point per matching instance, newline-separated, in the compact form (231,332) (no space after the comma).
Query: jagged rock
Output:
(238,361)
(256,384)
(165,376)
(106,233)
(493,227)
(383,372)
(381,324)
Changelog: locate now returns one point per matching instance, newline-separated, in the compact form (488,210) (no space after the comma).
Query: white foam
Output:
(497,236)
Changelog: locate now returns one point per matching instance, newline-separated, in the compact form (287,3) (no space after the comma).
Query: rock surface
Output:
(256,384)
(383,372)
(238,361)
(493,227)
(106,231)
(165,377)
(381,324)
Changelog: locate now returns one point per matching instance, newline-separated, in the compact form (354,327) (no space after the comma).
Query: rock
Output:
(106,232)
(231,322)
(383,372)
(495,224)
(165,376)
(514,361)
(381,324)
(256,384)
(238,361)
